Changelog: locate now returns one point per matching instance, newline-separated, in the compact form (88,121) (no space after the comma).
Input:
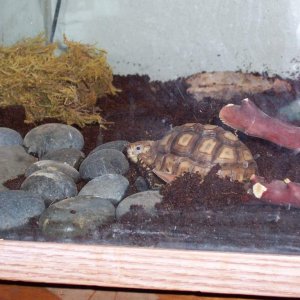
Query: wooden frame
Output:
(151,268)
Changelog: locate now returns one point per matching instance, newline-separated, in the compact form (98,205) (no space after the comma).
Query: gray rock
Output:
(52,136)
(110,186)
(291,112)
(146,200)
(106,161)
(71,156)
(117,145)
(9,137)
(18,207)
(141,184)
(13,162)
(77,216)
(51,186)
(53,166)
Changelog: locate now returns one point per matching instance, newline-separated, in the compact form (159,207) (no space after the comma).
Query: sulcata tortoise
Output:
(195,148)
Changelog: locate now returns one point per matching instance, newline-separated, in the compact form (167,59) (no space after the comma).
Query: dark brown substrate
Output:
(216,214)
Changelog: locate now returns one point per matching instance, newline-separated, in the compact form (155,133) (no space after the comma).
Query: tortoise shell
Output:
(196,148)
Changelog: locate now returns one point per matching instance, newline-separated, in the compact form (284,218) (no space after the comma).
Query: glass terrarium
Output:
(151,144)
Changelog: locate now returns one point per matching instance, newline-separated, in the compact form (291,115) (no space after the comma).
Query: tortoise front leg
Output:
(148,174)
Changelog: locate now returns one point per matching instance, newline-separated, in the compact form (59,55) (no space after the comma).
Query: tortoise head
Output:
(137,148)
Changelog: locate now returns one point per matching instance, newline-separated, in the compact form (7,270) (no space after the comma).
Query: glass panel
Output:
(198,101)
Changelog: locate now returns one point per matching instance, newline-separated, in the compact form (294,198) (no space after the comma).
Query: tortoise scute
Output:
(164,145)
(184,143)
(194,147)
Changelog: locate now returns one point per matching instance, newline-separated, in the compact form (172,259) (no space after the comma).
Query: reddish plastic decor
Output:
(249,119)
(277,191)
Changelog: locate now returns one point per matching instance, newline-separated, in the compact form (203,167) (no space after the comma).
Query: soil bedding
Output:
(216,214)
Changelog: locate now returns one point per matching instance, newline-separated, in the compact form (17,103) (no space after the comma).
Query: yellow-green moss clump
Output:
(65,86)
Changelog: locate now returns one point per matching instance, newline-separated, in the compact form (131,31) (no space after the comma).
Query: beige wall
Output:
(171,38)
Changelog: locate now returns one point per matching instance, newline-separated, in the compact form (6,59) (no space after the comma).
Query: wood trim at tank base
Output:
(149,268)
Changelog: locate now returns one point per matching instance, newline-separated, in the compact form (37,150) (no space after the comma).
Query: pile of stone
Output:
(50,157)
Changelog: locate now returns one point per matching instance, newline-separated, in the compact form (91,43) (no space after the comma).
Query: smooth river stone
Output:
(52,136)
(117,145)
(9,137)
(18,207)
(52,186)
(71,156)
(141,184)
(14,160)
(106,161)
(109,186)
(146,200)
(53,166)
(75,217)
